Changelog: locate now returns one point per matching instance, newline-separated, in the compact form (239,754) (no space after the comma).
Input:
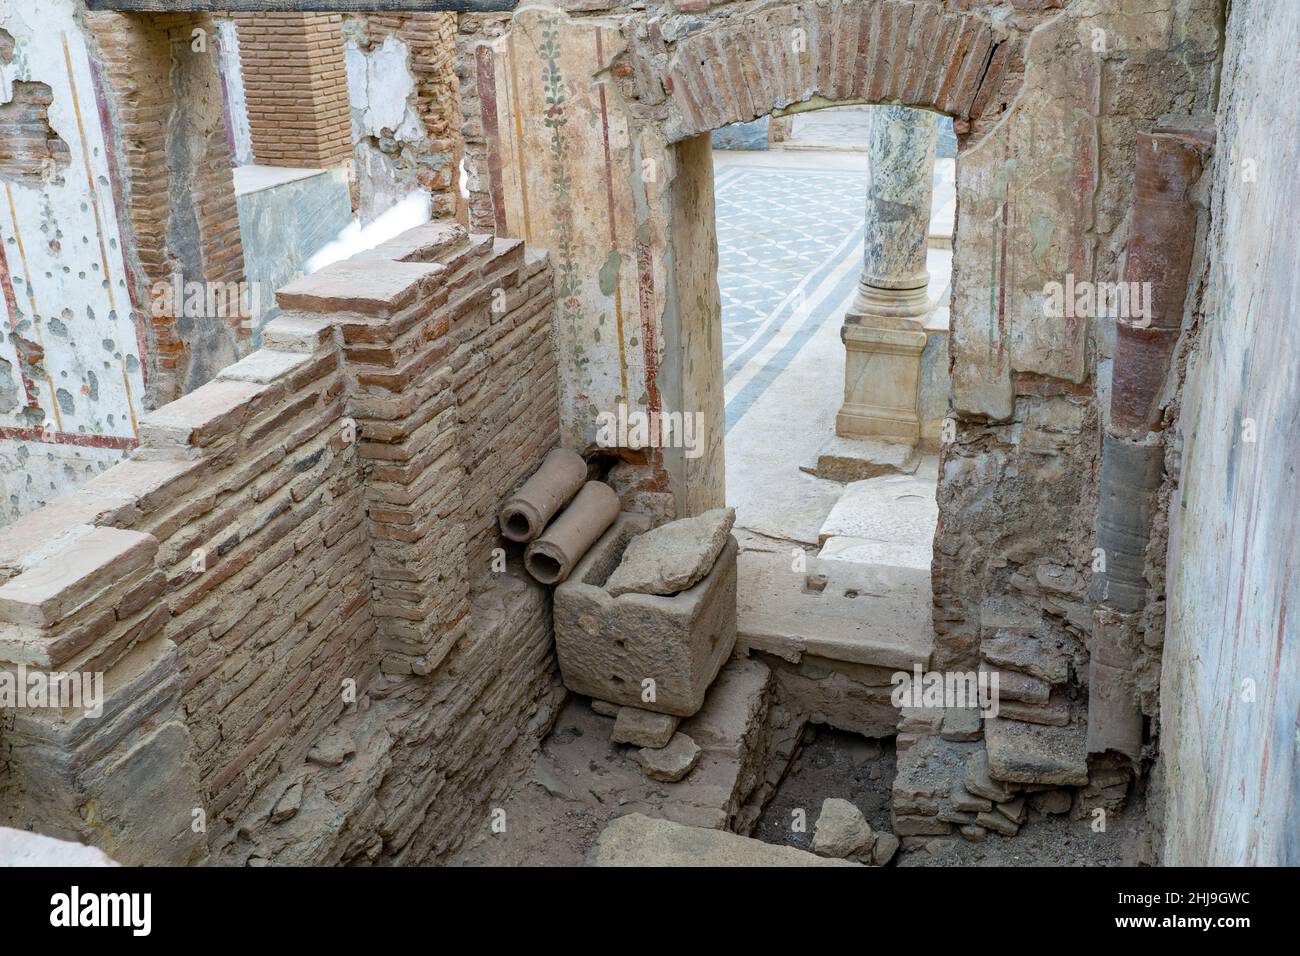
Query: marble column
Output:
(884,329)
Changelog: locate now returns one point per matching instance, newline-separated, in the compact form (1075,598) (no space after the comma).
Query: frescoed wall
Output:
(71,375)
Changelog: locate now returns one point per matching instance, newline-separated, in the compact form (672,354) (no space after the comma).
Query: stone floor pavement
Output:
(790,252)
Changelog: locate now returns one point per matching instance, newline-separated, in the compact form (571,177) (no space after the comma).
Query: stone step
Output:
(866,551)
(894,509)
(638,840)
(730,729)
(862,614)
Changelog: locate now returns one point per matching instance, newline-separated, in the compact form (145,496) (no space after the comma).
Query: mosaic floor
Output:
(790,255)
(789,231)
(778,229)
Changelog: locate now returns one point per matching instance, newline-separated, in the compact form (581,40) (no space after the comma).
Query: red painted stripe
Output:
(65,438)
(11,300)
(487,94)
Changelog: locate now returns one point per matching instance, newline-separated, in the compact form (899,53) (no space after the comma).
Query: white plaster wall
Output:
(65,266)
(381,95)
(1230,698)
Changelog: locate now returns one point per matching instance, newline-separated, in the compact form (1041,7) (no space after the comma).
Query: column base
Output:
(890,308)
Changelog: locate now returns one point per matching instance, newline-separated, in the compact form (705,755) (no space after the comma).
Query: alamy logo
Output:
(1091,300)
(61,690)
(637,429)
(206,299)
(72,909)
(966,690)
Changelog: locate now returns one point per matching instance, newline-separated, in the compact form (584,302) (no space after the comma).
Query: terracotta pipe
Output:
(523,516)
(552,557)
(1162,236)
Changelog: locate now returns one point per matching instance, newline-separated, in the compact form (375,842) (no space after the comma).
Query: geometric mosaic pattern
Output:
(776,227)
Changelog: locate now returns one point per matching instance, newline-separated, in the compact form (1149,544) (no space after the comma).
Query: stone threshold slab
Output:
(863,614)
(638,840)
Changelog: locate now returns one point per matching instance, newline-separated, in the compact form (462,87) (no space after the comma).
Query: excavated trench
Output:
(764,772)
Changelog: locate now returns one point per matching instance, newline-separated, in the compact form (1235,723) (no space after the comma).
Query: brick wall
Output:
(32,151)
(175,191)
(296,88)
(316,520)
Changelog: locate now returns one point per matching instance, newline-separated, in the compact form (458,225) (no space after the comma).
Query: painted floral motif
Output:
(568,280)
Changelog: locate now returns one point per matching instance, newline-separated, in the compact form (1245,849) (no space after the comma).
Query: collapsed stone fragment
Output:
(842,831)
(673,557)
(670,763)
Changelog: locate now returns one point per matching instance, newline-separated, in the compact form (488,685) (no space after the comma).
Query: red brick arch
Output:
(744,64)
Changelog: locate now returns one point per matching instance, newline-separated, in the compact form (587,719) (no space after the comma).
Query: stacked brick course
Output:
(32,151)
(296,87)
(300,547)
(741,66)
(732,62)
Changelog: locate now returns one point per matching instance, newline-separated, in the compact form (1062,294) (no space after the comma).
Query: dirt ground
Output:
(580,781)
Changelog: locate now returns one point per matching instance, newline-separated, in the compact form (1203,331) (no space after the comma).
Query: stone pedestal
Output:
(882,371)
(884,329)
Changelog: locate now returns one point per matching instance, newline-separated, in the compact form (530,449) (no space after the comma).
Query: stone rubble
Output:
(842,831)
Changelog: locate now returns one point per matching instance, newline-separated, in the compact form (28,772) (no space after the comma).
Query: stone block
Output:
(1037,657)
(67,579)
(611,647)
(928,772)
(961,723)
(370,287)
(875,616)
(1030,753)
(1012,685)
(967,802)
(979,783)
(264,366)
(296,333)
(997,823)
(643,728)
(905,826)
(1055,713)
(842,831)
(1051,802)
(672,557)
(672,762)
(857,459)
(199,419)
